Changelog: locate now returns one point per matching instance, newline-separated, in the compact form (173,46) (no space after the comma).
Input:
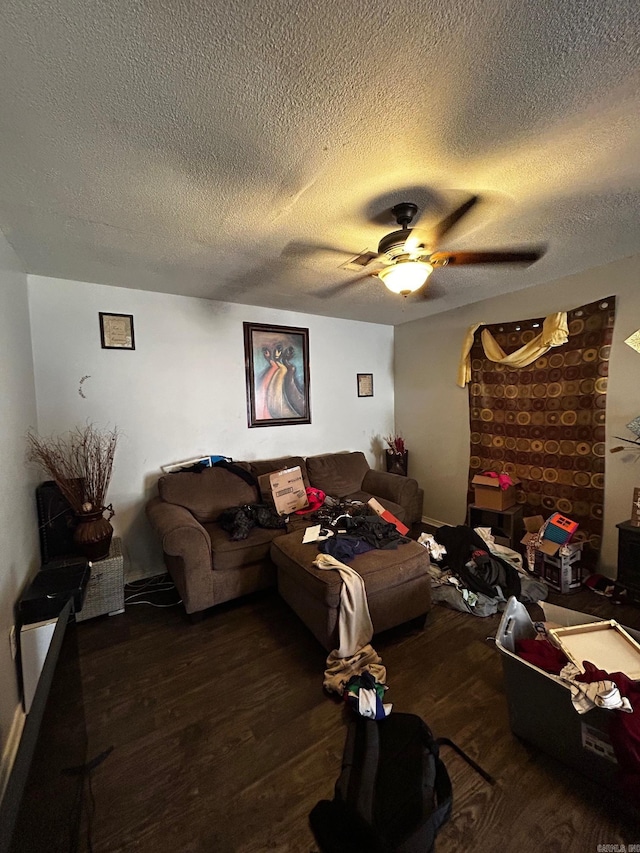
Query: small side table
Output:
(629,557)
(508,521)
(105,590)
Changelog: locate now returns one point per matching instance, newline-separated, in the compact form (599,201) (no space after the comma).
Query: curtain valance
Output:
(555,332)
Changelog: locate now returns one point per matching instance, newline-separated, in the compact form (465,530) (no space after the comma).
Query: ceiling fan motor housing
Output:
(393,244)
(404,212)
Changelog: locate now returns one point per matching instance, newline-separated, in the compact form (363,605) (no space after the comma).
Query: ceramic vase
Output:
(93,534)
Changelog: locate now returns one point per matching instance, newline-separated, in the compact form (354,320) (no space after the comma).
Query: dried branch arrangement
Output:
(80,462)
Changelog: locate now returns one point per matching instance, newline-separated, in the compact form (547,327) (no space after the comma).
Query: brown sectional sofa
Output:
(209,568)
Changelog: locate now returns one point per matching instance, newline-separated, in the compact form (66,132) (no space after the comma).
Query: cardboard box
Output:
(561,575)
(536,535)
(540,708)
(288,490)
(566,556)
(489,495)
(377,507)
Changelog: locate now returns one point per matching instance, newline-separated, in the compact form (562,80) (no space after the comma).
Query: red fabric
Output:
(504,480)
(315,497)
(542,654)
(624,729)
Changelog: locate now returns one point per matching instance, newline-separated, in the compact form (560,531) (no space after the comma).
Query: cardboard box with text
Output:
(288,490)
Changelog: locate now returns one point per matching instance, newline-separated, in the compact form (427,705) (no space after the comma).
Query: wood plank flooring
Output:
(224,741)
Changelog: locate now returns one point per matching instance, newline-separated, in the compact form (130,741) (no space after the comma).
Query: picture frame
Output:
(365,384)
(116,331)
(277,375)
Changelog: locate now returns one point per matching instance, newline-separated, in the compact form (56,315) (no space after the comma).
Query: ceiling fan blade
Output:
(458,259)
(444,226)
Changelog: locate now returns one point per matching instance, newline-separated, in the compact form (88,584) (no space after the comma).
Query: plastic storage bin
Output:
(540,708)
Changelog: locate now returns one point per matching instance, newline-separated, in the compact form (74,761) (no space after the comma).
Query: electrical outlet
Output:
(12,642)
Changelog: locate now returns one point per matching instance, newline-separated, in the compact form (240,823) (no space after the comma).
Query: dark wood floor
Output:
(223,739)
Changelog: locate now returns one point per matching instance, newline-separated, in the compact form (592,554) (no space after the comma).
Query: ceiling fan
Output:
(410,256)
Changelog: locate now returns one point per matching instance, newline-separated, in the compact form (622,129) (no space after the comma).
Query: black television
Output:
(42,803)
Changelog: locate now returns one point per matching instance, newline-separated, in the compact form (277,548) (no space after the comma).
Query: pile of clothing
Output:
(240,520)
(473,574)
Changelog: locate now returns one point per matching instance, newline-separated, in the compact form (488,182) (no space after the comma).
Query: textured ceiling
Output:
(244,151)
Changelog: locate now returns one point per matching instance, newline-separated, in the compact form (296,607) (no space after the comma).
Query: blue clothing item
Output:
(344,548)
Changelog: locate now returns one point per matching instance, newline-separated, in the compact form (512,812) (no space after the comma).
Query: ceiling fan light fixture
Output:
(405,276)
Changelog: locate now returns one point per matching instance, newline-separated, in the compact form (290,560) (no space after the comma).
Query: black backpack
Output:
(394,792)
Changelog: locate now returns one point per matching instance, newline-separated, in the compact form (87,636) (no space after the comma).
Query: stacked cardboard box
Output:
(549,552)
(563,572)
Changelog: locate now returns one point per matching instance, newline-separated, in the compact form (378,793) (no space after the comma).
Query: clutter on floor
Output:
(470,572)
(550,552)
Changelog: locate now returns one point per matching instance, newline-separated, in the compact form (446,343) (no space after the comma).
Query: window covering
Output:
(555,332)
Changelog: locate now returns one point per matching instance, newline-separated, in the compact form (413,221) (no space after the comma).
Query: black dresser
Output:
(629,558)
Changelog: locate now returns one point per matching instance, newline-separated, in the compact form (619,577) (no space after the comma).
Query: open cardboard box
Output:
(488,493)
(533,525)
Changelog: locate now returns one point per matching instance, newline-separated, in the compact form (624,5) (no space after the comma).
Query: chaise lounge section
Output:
(207,566)
(396,581)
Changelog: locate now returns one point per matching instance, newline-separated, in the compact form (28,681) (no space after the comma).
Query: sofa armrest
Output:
(181,535)
(391,487)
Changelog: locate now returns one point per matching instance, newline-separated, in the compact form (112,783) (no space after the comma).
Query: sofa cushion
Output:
(338,474)
(227,554)
(206,494)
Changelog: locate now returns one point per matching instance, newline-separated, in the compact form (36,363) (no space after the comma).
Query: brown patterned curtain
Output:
(545,423)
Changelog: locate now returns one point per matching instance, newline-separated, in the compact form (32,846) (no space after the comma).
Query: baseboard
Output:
(11,745)
(433,521)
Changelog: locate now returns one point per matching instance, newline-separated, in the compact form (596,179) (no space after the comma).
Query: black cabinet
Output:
(507,524)
(629,557)
(41,806)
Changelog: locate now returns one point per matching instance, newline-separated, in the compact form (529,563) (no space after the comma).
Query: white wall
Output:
(433,412)
(18,523)
(181,392)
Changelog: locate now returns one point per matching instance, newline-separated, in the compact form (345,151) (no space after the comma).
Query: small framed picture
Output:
(116,331)
(365,384)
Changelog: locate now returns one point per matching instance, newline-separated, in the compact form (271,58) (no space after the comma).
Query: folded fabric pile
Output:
(364,694)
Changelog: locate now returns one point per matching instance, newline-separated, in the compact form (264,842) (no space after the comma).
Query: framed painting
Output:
(277,375)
